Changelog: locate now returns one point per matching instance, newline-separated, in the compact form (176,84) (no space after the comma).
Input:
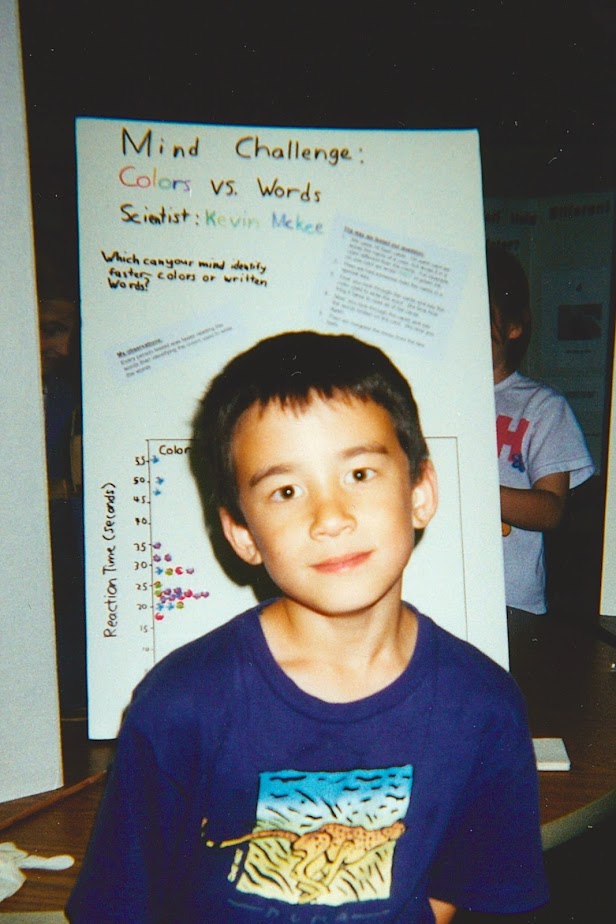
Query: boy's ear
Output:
(239,538)
(514,331)
(425,496)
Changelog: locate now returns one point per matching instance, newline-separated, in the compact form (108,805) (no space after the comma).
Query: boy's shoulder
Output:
(466,676)
(520,387)
(200,667)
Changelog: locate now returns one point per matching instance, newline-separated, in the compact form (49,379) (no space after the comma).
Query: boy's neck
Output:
(502,372)
(340,658)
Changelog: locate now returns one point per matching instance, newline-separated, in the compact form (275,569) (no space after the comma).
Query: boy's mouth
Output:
(342,562)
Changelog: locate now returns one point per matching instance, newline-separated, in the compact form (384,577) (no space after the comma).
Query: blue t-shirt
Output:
(236,797)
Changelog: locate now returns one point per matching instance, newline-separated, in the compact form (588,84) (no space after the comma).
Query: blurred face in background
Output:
(502,331)
(57,325)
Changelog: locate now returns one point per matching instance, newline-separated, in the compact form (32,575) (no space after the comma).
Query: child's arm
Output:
(538,508)
(127,873)
(443,912)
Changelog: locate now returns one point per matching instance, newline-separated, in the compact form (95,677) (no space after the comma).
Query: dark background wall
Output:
(536,78)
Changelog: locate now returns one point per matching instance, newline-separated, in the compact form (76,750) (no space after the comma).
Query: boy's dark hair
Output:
(509,293)
(290,368)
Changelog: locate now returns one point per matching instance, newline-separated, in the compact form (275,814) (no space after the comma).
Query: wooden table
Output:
(58,822)
(565,673)
(563,670)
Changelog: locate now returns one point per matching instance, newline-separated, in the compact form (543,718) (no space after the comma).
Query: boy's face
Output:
(328,502)
(57,321)
(502,332)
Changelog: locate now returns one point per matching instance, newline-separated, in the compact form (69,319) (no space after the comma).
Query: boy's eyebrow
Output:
(267,472)
(364,448)
(284,469)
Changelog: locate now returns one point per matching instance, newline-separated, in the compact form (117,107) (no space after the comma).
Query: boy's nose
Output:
(332,515)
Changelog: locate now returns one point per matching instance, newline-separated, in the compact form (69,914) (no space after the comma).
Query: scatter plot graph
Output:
(168,596)
(190,593)
(179,547)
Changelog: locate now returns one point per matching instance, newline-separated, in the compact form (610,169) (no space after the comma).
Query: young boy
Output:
(542,453)
(330,755)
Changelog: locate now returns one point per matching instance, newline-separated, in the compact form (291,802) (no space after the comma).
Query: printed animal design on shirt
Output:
(322,853)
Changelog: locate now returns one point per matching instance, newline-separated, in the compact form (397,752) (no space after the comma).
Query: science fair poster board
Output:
(195,242)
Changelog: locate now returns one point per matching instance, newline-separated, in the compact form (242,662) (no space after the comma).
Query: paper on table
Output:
(551,754)
(13,860)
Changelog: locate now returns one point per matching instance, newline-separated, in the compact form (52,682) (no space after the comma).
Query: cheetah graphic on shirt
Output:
(306,856)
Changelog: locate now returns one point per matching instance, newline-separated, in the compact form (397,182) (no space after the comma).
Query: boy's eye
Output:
(360,474)
(288,492)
